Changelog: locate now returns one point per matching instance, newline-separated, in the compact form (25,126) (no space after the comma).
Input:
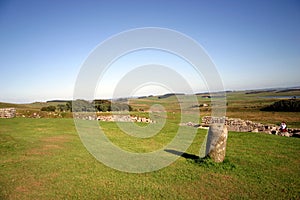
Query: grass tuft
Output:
(208,163)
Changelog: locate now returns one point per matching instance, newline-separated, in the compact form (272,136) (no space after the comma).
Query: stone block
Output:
(216,142)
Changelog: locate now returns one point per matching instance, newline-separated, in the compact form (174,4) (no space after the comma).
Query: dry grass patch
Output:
(49,144)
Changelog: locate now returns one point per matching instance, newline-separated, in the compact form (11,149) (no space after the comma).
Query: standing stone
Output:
(216,142)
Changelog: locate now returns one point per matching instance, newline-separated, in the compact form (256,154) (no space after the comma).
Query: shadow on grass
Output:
(182,154)
(206,162)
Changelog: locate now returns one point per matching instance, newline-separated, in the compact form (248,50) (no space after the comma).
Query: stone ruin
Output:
(113,118)
(239,125)
(124,118)
(7,112)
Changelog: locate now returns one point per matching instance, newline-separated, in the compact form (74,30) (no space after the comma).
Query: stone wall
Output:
(7,112)
(113,118)
(239,125)
(236,124)
(124,118)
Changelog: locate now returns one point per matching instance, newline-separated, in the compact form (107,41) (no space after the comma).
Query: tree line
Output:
(86,106)
(287,105)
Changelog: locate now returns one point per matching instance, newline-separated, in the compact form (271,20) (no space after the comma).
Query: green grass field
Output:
(45,159)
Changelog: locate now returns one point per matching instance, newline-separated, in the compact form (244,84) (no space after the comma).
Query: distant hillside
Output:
(7,105)
(261,91)
(57,101)
(275,90)
(169,95)
(289,90)
(290,105)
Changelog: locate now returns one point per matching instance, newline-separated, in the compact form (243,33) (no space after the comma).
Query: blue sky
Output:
(254,44)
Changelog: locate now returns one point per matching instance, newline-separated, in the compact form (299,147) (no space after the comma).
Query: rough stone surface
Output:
(239,125)
(113,118)
(7,112)
(216,142)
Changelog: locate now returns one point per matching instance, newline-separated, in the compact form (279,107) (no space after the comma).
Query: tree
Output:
(102,105)
(62,107)
(289,105)
(49,108)
(121,107)
(69,105)
(81,105)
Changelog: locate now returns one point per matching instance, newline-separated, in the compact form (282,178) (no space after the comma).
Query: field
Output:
(45,159)
(239,105)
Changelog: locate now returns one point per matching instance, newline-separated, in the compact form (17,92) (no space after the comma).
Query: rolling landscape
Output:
(42,156)
(146,100)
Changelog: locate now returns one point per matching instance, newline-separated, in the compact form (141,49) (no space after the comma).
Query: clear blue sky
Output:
(254,44)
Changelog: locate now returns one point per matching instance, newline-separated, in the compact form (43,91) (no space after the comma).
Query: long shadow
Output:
(204,162)
(182,154)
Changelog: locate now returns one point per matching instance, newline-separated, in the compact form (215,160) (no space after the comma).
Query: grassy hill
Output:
(45,159)
(240,104)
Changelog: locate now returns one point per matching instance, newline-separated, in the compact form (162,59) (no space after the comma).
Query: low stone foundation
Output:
(124,118)
(113,118)
(239,125)
(7,112)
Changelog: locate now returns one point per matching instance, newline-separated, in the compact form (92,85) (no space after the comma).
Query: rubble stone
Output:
(7,112)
